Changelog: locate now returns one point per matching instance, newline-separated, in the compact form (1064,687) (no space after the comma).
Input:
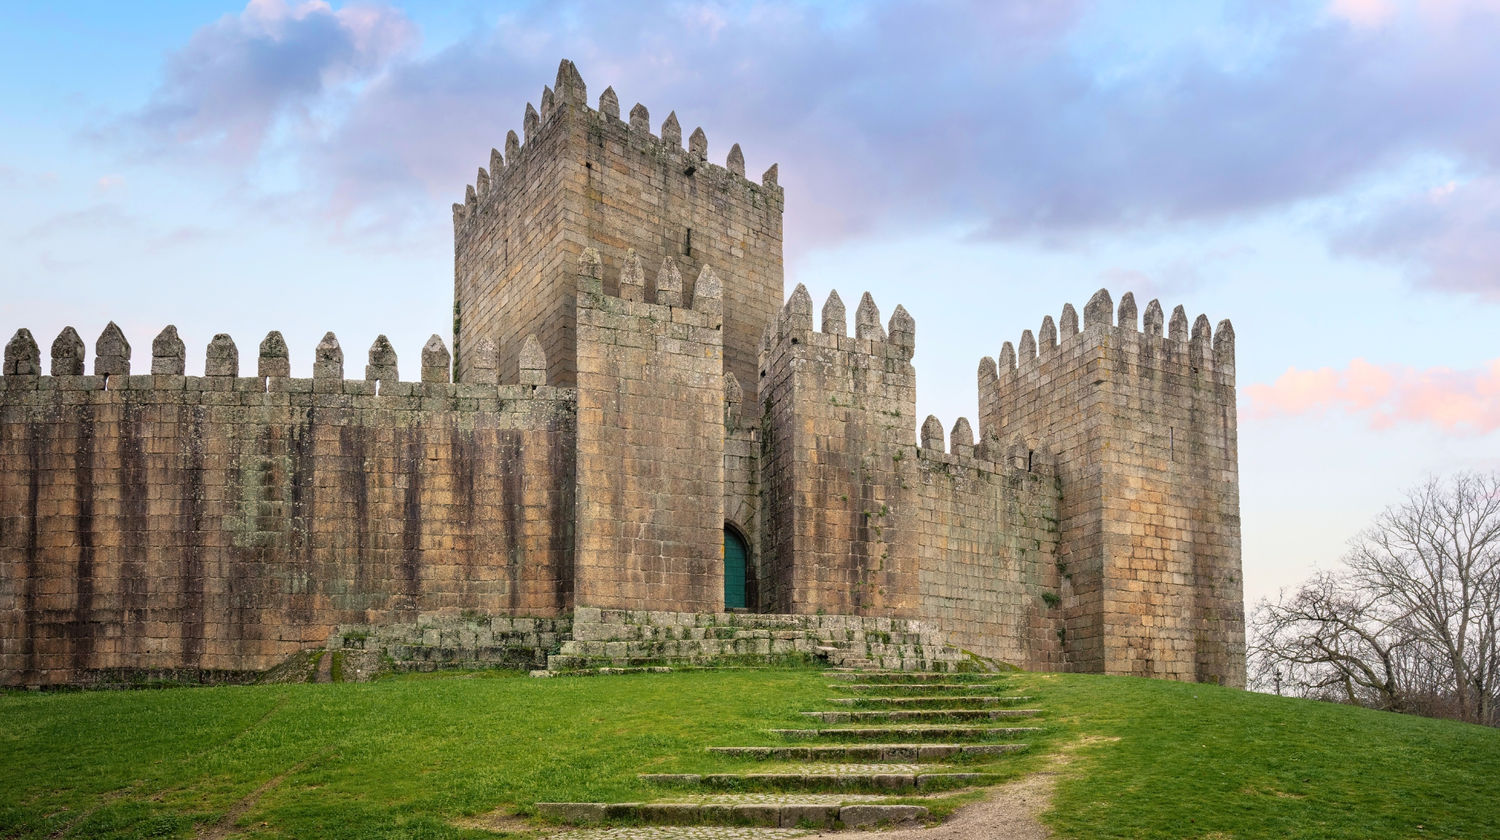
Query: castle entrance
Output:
(735,552)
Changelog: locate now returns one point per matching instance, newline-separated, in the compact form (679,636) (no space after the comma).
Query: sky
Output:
(1326,174)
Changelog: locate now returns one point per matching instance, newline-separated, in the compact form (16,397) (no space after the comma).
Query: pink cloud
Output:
(1466,401)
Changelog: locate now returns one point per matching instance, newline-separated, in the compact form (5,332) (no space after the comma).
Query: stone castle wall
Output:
(585,178)
(650,448)
(159,522)
(1142,427)
(220,523)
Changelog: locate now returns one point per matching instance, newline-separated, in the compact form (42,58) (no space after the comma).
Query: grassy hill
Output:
(408,757)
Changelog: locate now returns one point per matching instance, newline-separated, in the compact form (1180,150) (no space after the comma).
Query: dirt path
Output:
(1010,812)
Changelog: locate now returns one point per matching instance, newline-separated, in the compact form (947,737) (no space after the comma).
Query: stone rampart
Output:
(162,522)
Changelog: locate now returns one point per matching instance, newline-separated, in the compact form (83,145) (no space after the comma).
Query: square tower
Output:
(581,178)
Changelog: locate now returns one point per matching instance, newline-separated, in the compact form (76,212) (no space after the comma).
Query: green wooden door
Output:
(734,570)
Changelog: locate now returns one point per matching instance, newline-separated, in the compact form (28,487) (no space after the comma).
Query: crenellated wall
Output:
(650,444)
(1142,427)
(166,523)
(154,523)
(580,178)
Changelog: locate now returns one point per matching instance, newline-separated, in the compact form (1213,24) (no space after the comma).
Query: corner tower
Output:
(582,177)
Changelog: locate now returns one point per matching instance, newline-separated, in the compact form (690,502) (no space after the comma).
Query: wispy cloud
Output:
(224,93)
(1462,401)
(1000,115)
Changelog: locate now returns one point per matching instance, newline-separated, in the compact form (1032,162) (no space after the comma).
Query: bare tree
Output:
(1411,621)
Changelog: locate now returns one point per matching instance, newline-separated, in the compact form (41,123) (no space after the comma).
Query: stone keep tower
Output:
(585,178)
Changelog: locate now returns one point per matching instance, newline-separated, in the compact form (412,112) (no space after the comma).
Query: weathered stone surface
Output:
(222,357)
(275,359)
(435,360)
(328,358)
(67,353)
(168,353)
(111,352)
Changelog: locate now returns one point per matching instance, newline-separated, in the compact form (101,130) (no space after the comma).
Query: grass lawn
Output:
(405,757)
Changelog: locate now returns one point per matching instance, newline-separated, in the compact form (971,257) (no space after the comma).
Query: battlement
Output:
(112,369)
(793,325)
(582,177)
(571,92)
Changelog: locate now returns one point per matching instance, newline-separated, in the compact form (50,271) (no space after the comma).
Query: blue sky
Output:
(1326,174)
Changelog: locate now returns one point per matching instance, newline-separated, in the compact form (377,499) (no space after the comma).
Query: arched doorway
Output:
(736,556)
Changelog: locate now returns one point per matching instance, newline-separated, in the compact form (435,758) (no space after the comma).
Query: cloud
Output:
(1385,395)
(1448,236)
(1015,118)
(236,79)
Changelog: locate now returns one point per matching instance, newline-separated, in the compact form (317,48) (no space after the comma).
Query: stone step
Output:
(814,780)
(877,733)
(922,714)
(925,688)
(681,832)
(862,675)
(941,701)
(920,752)
(784,814)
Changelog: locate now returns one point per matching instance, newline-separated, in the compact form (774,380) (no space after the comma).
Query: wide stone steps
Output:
(883,733)
(792,813)
(869,752)
(916,677)
(922,715)
(915,689)
(811,779)
(941,702)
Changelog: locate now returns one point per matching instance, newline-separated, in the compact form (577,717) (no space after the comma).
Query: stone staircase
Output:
(613,641)
(926,736)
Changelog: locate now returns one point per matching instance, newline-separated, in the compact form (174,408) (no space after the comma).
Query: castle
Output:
(636,452)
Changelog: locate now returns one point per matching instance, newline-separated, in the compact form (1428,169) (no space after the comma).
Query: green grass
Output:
(406,757)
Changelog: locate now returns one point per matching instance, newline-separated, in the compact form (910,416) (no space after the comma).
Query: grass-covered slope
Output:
(407,757)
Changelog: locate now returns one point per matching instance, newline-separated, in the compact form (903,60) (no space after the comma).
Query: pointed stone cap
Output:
(736,161)
(669,284)
(989,374)
(1068,324)
(497,162)
(932,435)
(590,272)
(1027,348)
(867,320)
(482,183)
(484,363)
(471,198)
(632,277)
(1177,328)
(698,144)
(512,145)
(1224,343)
(328,358)
(640,119)
(1007,360)
(671,131)
(67,353)
(733,393)
(962,438)
(168,353)
(1127,315)
(1099,311)
(382,361)
(533,362)
(112,352)
(1048,335)
(903,332)
(569,84)
(609,104)
(768,178)
(529,124)
(835,319)
(222,358)
(797,314)
(275,359)
(1202,332)
(708,295)
(436,361)
(547,104)
(22,356)
(1152,322)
